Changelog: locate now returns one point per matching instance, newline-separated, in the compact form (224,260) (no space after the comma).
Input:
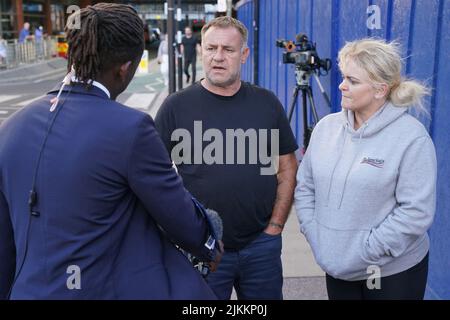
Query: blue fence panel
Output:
(438,278)
(401,24)
(421,61)
(321,33)
(245,15)
(422,27)
(385,8)
(282,73)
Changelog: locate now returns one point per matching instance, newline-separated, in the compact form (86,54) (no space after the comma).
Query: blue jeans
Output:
(255,271)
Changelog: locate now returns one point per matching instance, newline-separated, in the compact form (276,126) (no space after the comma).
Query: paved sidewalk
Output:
(303,278)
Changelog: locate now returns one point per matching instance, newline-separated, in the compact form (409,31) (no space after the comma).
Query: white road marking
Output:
(140,100)
(150,88)
(27,102)
(4,98)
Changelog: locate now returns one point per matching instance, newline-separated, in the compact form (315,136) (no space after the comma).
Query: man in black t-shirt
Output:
(189,45)
(224,134)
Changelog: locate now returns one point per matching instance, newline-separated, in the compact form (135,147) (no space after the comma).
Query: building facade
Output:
(51,14)
(47,13)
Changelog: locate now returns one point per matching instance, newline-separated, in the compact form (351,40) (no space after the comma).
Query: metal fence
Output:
(13,53)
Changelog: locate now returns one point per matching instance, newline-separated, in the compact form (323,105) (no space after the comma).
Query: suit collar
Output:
(95,84)
(80,88)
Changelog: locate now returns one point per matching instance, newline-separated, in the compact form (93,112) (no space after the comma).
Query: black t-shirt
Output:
(190,47)
(240,193)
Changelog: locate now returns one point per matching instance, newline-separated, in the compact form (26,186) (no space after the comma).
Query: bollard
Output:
(63,47)
(143,65)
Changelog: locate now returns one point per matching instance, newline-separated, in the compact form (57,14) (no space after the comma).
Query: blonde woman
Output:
(366,188)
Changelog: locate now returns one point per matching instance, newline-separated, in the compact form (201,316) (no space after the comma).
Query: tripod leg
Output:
(307,130)
(305,109)
(313,106)
(306,133)
(327,99)
(294,101)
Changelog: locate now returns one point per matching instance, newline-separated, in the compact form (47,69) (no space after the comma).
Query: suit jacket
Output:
(105,186)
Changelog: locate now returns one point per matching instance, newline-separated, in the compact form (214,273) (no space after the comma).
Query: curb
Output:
(33,71)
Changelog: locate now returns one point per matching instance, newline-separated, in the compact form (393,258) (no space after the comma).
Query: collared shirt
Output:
(96,84)
(24,33)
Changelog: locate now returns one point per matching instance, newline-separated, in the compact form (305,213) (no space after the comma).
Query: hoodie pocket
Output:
(365,255)
(340,253)
(310,232)
(370,258)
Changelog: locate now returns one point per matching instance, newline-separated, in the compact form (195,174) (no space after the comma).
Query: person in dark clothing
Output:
(189,47)
(90,205)
(227,129)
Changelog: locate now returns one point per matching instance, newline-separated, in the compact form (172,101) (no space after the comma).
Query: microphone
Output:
(216,230)
(216,223)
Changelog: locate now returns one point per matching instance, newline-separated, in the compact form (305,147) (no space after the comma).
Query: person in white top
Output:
(163,59)
(2,50)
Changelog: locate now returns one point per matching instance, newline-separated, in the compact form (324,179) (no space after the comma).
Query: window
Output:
(33,12)
(7,20)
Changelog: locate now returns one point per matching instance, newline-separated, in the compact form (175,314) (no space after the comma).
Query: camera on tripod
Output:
(303,54)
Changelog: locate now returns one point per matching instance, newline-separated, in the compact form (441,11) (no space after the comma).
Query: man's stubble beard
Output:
(223,84)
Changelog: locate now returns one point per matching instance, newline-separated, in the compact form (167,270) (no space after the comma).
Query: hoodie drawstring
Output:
(362,132)
(353,161)
(336,164)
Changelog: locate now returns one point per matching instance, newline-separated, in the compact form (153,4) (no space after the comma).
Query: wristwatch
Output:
(278,225)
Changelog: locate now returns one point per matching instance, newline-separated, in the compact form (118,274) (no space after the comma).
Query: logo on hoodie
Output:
(379,163)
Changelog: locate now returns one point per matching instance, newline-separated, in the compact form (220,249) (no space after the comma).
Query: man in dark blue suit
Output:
(90,205)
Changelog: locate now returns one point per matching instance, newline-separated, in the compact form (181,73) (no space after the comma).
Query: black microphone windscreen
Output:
(216,222)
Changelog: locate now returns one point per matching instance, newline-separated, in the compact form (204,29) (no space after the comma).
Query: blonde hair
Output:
(228,22)
(383,63)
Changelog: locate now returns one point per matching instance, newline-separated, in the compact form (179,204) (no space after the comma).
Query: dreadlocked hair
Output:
(109,34)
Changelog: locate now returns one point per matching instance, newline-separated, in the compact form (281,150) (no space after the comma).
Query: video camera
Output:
(303,54)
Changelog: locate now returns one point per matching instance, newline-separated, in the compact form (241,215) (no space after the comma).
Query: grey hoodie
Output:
(367,197)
